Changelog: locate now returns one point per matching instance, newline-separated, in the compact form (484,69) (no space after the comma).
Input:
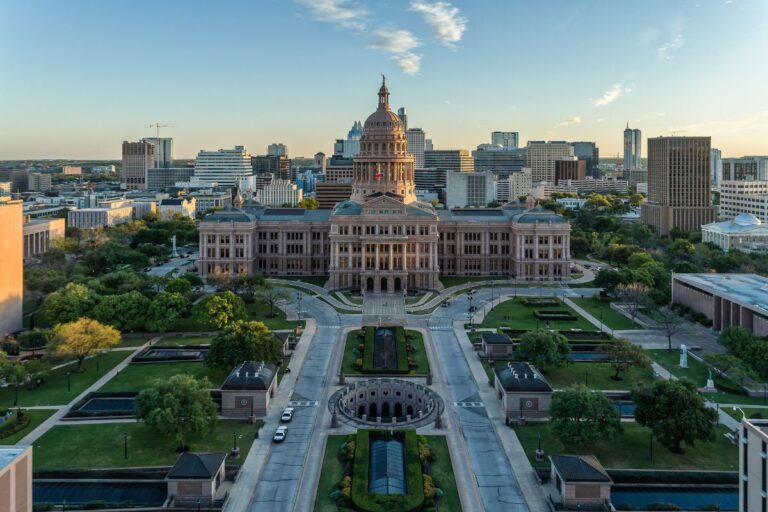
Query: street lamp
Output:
(69,381)
(743,414)
(299,296)
(514,282)
(125,445)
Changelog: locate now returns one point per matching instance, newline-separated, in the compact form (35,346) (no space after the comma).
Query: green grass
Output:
(101,445)
(176,341)
(348,360)
(352,341)
(36,416)
(135,340)
(442,474)
(512,313)
(611,318)
(670,360)
(750,412)
(330,475)
(729,398)
(140,376)
(420,354)
(191,325)
(631,450)
(54,391)
(597,376)
(261,312)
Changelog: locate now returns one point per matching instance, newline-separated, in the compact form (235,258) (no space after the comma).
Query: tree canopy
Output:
(579,415)
(126,312)
(243,341)
(544,348)
(220,309)
(623,354)
(69,303)
(82,338)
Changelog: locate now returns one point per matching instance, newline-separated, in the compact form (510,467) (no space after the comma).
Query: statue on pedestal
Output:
(683,356)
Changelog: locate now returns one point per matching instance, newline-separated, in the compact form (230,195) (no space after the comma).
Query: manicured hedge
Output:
(368,350)
(402,354)
(17,422)
(555,315)
(367,502)
(551,301)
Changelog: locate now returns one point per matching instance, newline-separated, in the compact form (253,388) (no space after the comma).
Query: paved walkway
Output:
(590,318)
(384,309)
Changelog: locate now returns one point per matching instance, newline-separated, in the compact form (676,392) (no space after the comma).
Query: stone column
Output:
(362,256)
(349,256)
(418,264)
(377,257)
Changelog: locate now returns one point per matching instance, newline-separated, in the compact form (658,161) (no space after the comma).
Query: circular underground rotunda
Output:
(386,402)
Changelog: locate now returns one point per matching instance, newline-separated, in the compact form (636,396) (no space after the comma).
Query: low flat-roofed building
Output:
(726,299)
(38,234)
(753,481)
(523,391)
(15,478)
(580,482)
(204,201)
(248,390)
(745,233)
(72,170)
(88,218)
(169,208)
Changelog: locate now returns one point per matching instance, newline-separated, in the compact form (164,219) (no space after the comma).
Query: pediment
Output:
(383,205)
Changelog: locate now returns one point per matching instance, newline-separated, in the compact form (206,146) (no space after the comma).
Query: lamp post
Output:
(601,319)
(69,381)
(471,311)
(491,295)
(299,296)
(125,445)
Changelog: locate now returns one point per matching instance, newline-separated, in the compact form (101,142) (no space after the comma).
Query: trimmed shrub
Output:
(16,423)
(368,350)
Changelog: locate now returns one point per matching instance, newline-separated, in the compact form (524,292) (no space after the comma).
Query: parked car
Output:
(280,434)
(287,415)
(444,305)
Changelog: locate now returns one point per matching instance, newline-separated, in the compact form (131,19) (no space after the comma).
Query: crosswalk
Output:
(440,328)
(330,326)
(469,404)
(303,403)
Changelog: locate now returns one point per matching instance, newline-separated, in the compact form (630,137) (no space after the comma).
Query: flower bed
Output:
(540,301)
(555,315)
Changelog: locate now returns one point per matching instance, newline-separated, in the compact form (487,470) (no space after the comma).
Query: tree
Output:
(180,286)
(634,296)
(68,304)
(15,374)
(732,366)
(178,407)
(624,354)
(243,341)
(220,309)
(165,309)
(746,346)
(192,278)
(309,203)
(669,323)
(126,312)
(82,338)
(636,199)
(271,295)
(675,412)
(544,348)
(639,259)
(579,415)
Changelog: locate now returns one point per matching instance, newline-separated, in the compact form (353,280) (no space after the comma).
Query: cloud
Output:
(668,49)
(569,121)
(611,95)
(739,124)
(345,13)
(445,19)
(399,44)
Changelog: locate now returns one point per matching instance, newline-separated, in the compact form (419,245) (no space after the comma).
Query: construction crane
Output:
(158,126)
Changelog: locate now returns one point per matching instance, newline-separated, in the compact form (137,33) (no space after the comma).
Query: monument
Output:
(683,356)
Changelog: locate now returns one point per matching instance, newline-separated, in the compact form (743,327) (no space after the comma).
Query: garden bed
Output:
(410,355)
(555,315)
(540,301)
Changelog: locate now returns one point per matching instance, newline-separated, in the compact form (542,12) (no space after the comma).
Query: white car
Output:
(280,434)
(287,415)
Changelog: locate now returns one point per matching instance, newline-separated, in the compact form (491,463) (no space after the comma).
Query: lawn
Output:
(140,376)
(442,474)
(597,376)
(36,416)
(101,445)
(611,318)
(631,450)
(750,412)
(135,340)
(670,360)
(330,475)
(419,354)
(260,311)
(177,341)
(348,361)
(56,391)
(512,313)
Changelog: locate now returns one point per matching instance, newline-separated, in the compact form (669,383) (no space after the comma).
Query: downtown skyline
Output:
(296,72)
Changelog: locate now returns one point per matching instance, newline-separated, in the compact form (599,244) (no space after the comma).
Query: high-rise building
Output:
(494,158)
(679,194)
(351,146)
(279,165)
(18,179)
(320,161)
(138,157)
(750,197)
(590,153)
(329,194)
(428,146)
(167,177)
(430,179)
(716,167)
(473,189)
(163,152)
(507,140)
(541,156)
(11,271)
(416,140)
(224,167)
(747,168)
(570,168)
(449,160)
(277,149)
(279,193)
(39,182)
(520,184)
(403,115)
(633,144)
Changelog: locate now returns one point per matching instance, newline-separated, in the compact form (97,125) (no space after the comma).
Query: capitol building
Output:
(382,239)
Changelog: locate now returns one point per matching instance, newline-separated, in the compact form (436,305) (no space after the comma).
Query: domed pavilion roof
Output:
(747,219)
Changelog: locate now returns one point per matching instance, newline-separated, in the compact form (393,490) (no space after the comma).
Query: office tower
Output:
(279,193)
(416,139)
(137,158)
(428,145)
(474,189)
(590,153)
(541,156)
(738,197)
(11,271)
(5,188)
(39,182)
(224,167)
(520,184)
(329,194)
(679,194)
(167,177)
(320,161)
(351,145)
(747,168)
(163,152)
(716,167)
(507,140)
(403,115)
(278,165)
(570,168)
(450,160)
(18,179)
(633,144)
(277,149)
(338,168)
(338,147)
(491,157)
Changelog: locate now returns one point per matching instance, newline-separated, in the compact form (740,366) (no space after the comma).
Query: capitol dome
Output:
(383,121)
(747,219)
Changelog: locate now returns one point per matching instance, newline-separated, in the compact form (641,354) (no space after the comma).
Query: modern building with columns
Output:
(382,239)
(726,299)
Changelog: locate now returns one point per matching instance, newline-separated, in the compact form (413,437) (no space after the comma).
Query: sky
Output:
(77,77)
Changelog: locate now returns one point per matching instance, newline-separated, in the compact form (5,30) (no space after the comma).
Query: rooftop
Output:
(251,375)
(9,453)
(198,466)
(747,289)
(521,377)
(580,468)
(495,338)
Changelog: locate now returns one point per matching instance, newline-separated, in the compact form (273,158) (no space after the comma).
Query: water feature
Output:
(384,349)
(387,467)
(108,404)
(686,498)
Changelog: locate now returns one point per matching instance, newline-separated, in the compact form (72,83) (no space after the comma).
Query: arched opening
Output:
(360,411)
(409,410)
(398,410)
(372,411)
(385,410)
(398,285)
(383,284)
(369,284)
